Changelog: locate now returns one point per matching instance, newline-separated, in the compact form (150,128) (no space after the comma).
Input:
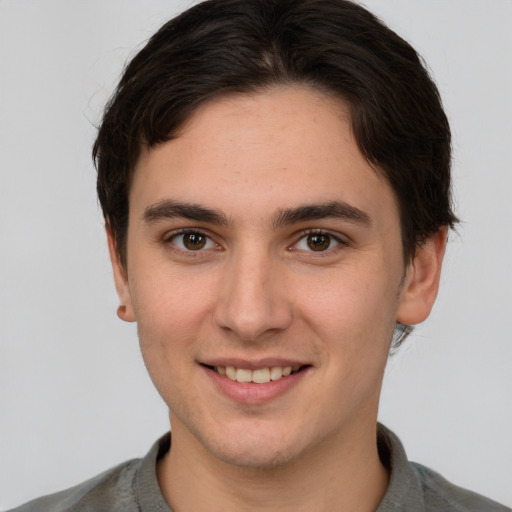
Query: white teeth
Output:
(276,373)
(259,376)
(243,375)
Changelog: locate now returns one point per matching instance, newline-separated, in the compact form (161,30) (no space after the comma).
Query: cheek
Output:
(354,315)
(172,312)
(171,301)
(168,320)
(350,299)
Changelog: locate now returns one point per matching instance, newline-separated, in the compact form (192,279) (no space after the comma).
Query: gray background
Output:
(74,395)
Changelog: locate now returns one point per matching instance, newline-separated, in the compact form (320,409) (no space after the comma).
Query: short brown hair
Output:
(243,46)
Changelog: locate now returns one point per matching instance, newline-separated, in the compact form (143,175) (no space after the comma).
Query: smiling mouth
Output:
(259,376)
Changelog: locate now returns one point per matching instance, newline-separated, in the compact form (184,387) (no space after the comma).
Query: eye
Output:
(192,241)
(317,242)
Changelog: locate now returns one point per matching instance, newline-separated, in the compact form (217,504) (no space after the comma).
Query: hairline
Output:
(322,92)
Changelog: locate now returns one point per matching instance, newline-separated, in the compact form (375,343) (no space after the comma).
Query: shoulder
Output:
(413,486)
(113,490)
(129,487)
(442,495)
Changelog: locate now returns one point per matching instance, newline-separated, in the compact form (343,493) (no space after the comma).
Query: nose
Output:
(253,299)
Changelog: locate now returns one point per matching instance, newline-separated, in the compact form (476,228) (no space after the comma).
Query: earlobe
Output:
(125,310)
(422,278)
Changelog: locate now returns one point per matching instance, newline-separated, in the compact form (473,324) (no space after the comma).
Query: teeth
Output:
(259,376)
(243,375)
(276,373)
(230,372)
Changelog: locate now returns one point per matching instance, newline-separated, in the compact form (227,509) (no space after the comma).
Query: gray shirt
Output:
(133,487)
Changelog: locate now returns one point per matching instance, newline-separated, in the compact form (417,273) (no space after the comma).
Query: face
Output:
(260,243)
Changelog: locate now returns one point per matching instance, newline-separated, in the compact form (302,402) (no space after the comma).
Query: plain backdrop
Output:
(74,395)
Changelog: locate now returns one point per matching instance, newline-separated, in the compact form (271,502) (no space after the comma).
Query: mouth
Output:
(257,376)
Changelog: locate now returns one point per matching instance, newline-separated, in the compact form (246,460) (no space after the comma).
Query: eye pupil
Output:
(194,241)
(318,242)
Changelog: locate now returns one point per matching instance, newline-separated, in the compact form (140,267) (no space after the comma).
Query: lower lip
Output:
(251,393)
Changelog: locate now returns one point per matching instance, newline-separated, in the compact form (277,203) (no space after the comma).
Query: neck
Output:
(349,477)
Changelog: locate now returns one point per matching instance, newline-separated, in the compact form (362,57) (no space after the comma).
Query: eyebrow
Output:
(170,209)
(330,210)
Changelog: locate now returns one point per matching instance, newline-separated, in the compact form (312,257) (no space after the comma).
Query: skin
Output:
(257,291)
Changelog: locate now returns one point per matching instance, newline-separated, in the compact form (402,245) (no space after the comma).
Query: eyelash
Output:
(322,253)
(169,240)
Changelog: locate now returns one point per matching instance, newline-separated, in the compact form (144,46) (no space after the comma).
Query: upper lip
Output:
(253,364)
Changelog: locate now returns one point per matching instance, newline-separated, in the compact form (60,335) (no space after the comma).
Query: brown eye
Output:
(318,241)
(194,241)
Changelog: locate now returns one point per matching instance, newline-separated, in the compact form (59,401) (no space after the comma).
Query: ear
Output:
(422,280)
(125,310)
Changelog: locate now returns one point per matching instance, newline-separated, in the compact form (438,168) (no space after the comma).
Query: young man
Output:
(275,180)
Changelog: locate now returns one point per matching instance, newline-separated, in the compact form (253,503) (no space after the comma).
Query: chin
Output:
(250,455)
(259,446)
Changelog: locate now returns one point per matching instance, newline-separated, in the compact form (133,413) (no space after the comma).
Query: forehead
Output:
(250,153)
